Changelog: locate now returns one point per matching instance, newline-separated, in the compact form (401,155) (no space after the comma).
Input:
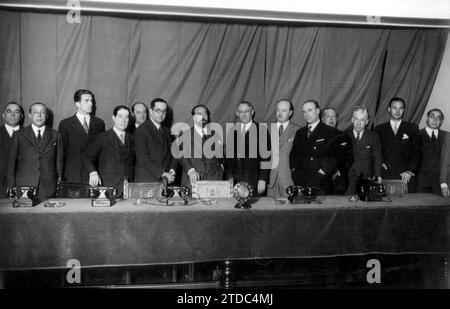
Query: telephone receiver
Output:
(294,191)
(169,191)
(18,192)
(102,192)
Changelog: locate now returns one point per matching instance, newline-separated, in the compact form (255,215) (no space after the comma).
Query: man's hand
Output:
(94,179)
(337,174)
(193,176)
(321,172)
(406,176)
(384,166)
(261,186)
(445,191)
(378,179)
(170,176)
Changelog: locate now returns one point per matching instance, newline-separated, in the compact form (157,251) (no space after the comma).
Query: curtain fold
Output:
(123,60)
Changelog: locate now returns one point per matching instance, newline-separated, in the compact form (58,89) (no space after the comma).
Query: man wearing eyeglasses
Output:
(430,146)
(154,160)
(12,116)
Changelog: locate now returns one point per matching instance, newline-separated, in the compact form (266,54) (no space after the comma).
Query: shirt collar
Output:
(284,124)
(355,134)
(118,132)
(393,123)
(313,125)
(429,131)
(200,130)
(11,130)
(35,130)
(81,117)
(156,125)
(246,126)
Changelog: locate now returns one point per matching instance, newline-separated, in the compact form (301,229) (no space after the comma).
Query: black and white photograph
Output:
(222,151)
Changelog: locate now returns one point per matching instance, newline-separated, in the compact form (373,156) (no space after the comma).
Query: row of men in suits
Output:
(140,150)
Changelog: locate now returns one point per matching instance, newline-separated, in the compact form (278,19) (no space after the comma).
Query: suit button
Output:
(315,147)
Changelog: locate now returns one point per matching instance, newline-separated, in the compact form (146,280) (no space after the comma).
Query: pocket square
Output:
(405,136)
(368,147)
(344,143)
(320,140)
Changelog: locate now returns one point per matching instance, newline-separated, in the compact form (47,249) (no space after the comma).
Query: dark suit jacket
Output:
(75,141)
(342,149)
(153,152)
(208,168)
(115,160)
(309,155)
(30,164)
(367,158)
(248,168)
(399,152)
(5,144)
(445,161)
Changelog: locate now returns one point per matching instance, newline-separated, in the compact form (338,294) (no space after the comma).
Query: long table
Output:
(127,234)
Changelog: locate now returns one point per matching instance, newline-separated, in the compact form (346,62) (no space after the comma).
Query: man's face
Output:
(38,115)
(200,116)
(396,110)
(245,113)
(329,117)
(359,121)
(158,112)
(85,104)
(310,112)
(434,120)
(12,115)
(121,119)
(283,111)
(140,113)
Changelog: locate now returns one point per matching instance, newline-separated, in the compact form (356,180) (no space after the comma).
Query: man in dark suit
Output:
(77,132)
(12,116)
(311,162)
(36,155)
(154,160)
(139,113)
(114,152)
(445,166)
(430,146)
(244,158)
(341,148)
(197,164)
(399,146)
(367,157)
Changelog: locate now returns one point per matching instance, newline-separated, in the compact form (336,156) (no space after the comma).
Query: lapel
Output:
(45,139)
(76,124)
(29,135)
(285,135)
(196,137)
(314,133)
(114,140)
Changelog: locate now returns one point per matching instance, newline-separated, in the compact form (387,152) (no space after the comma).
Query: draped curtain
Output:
(44,58)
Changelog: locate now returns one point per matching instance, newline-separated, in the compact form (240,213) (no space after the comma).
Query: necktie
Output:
(395,128)
(358,137)
(308,134)
(204,136)
(243,129)
(433,137)
(280,130)
(85,125)
(122,138)
(39,137)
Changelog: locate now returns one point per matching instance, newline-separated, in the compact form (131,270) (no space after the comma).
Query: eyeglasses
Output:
(160,111)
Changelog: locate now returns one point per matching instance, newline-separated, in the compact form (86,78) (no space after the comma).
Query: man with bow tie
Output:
(399,145)
(13,117)
(367,157)
(198,165)
(311,162)
(36,155)
(110,158)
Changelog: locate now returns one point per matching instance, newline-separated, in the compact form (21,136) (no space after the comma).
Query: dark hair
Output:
(36,103)
(12,102)
(118,108)
(80,92)
(152,103)
(136,103)
(246,103)
(291,106)
(395,99)
(312,101)
(435,110)
(197,106)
